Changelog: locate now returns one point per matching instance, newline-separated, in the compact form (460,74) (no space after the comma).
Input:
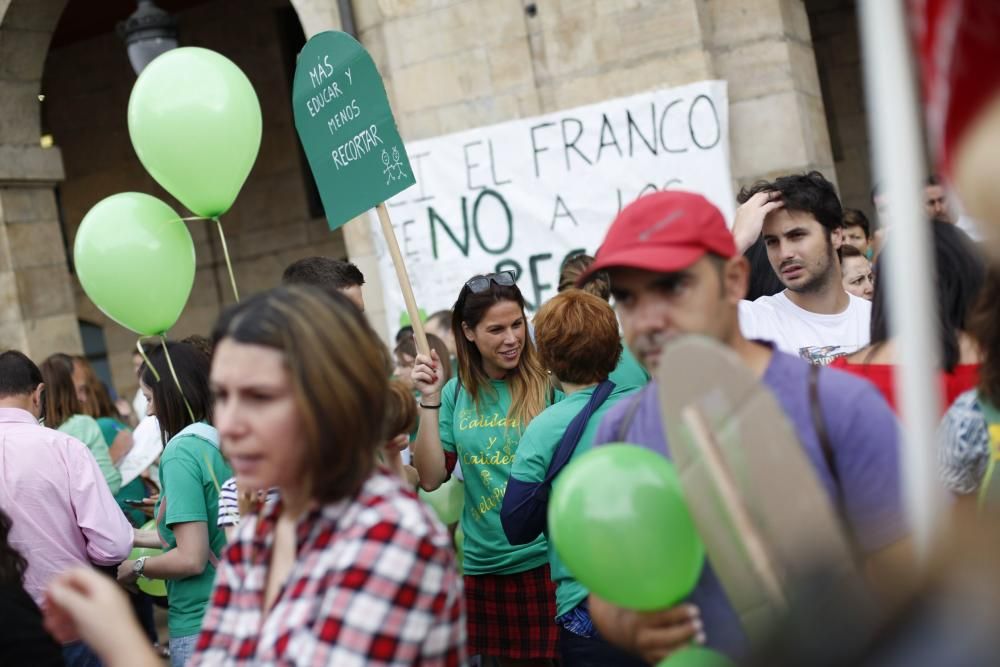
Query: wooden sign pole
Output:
(404,280)
(695,420)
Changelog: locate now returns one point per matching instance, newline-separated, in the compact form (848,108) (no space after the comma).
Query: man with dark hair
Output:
(62,512)
(675,270)
(439,324)
(800,220)
(329,274)
(936,200)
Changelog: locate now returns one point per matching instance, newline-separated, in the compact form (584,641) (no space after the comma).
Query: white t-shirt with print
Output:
(817,338)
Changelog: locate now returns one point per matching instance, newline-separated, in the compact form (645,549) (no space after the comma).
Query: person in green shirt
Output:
(628,372)
(476,420)
(64,413)
(191,470)
(577,338)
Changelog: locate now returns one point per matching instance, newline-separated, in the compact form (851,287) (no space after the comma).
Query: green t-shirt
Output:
(134,490)
(486,446)
(538,444)
(86,430)
(629,372)
(191,469)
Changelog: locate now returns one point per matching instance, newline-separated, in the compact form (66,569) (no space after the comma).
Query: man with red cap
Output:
(675,270)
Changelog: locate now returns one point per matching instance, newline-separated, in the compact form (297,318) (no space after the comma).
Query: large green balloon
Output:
(447,500)
(195,123)
(696,656)
(618,521)
(135,259)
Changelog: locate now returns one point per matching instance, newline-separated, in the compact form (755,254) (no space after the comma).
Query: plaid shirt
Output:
(374,583)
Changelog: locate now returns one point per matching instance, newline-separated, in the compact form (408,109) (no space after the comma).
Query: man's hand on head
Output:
(750,217)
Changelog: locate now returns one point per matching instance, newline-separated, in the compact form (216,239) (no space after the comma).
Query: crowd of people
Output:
(297,461)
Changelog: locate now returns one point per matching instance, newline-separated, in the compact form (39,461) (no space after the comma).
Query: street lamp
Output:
(148,33)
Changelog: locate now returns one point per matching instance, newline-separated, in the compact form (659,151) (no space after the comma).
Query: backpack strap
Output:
(819,424)
(626,423)
(524,511)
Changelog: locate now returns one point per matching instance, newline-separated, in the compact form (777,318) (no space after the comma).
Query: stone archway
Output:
(37,312)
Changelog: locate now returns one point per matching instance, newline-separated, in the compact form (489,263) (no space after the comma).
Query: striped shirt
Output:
(229,503)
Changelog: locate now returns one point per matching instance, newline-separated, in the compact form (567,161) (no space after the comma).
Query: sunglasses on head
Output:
(480,284)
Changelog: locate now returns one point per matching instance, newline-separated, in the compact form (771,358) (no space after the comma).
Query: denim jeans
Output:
(577,651)
(78,654)
(181,649)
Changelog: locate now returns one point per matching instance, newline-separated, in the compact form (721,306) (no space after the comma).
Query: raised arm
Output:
(428,453)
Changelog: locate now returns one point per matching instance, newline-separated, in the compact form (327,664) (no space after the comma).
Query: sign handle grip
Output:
(404,280)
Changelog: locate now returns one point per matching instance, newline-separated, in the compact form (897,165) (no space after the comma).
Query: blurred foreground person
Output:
(346,567)
(675,270)
(23,640)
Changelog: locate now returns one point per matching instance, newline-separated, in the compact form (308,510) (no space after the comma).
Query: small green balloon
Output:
(447,500)
(135,259)
(696,656)
(618,521)
(154,587)
(404,317)
(195,123)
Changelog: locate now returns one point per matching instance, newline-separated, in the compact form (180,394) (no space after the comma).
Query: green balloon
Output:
(447,500)
(404,317)
(135,259)
(618,520)
(195,123)
(154,587)
(696,656)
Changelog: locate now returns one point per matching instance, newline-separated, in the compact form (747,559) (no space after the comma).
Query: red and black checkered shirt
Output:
(374,583)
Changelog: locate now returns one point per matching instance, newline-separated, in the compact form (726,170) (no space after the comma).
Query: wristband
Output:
(430,407)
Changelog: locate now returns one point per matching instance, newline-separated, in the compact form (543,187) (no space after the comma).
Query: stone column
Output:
(37,311)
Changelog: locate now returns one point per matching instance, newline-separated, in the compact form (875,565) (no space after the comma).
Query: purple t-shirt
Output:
(863,434)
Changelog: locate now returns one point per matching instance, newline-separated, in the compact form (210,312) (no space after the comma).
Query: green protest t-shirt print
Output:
(485,441)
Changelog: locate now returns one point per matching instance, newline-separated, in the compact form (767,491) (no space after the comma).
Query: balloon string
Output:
(173,373)
(229,265)
(211,471)
(145,359)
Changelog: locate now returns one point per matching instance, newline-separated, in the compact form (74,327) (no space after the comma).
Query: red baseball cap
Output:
(664,232)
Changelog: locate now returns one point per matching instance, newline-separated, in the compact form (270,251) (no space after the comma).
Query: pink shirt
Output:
(61,509)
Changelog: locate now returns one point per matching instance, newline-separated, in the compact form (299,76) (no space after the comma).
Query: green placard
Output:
(345,124)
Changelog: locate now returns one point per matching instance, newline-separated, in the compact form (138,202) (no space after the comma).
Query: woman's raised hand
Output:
(426,375)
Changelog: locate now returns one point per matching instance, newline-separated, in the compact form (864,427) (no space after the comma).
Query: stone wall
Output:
(87,86)
(448,64)
(37,314)
(835,39)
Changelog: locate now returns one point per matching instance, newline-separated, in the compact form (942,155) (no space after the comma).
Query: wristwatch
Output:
(139,565)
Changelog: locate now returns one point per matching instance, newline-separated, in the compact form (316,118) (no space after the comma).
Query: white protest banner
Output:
(524,194)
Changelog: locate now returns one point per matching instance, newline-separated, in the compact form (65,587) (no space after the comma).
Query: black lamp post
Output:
(148,33)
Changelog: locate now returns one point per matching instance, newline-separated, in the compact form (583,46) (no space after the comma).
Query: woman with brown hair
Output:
(64,412)
(95,400)
(346,567)
(476,419)
(577,337)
